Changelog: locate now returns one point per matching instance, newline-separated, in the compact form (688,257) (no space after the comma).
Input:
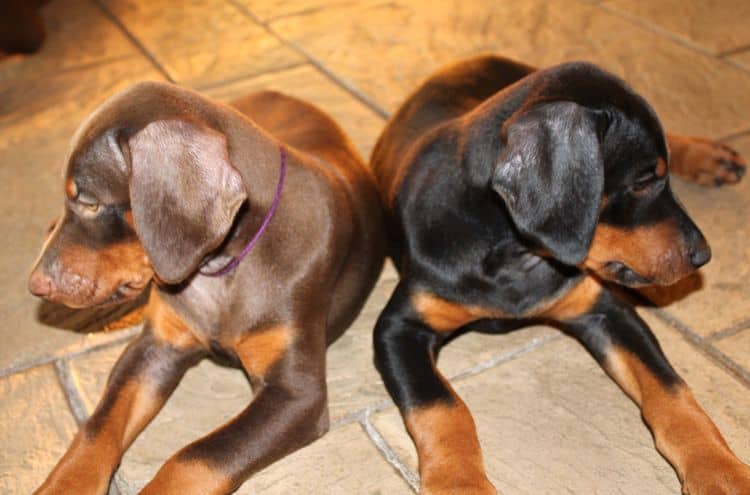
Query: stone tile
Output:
(274,9)
(37,119)
(35,428)
(551,422)
(721,213)
(737,347)
(341,463)
(742,58)
(307,83)
(202,43)
(715,26)
(694,93)
(79,35)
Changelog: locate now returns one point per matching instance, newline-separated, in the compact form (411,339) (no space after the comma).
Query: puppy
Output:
(261,230)
(511,196)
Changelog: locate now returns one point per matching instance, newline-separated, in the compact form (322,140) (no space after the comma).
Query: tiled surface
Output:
(715,26)
(549,419)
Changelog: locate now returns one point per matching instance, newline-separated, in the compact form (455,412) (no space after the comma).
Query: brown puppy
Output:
(511,195)
(164,184)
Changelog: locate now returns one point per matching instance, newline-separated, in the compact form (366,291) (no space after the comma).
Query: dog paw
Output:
(481,487)
(706,162)
(726,478)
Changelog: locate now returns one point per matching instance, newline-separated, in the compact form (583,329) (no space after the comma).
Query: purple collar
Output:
(236,261)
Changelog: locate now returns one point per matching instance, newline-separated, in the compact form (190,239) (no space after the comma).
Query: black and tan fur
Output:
(512,197)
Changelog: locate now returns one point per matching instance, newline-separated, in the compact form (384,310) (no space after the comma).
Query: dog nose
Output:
(700,254)
(40,284)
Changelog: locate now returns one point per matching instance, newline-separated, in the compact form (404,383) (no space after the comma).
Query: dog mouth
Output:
(620,273)
(122,293)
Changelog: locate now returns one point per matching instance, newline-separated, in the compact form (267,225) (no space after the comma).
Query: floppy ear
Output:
(184,194)
(551,176)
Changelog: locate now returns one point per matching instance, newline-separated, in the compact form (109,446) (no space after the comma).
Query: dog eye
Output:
(88,203)
(643,182)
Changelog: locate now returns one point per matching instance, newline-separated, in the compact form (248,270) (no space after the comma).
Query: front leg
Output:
(450,458)
(625,347)
(289,410)
(141,381)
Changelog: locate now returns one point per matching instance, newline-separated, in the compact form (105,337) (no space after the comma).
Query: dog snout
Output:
(40,284)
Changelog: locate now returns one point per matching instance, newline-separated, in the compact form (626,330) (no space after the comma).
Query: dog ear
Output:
(551,176)
(184,194)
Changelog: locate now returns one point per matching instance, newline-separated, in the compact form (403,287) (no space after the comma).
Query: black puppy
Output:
(511,194)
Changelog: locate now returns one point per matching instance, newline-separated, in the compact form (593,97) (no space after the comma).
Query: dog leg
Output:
(139,384)
(684,434)
(450,458)
(705,162)
(288,411)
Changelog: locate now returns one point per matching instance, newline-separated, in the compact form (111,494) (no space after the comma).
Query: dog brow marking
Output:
(167,325)
(263,348)
(445,316)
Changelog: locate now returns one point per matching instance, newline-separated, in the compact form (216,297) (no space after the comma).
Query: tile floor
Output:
(548,418)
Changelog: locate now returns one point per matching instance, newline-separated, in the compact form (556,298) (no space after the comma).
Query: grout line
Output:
(248,77)
(72,390)
(735,135)
(345,85)
(529,346)
(387,452)
(734,51)
(684,42)
(729,331)
(533,344)
(705,347)
(107,340)
(135,41)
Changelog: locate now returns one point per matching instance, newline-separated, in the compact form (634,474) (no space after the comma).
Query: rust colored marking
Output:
(653,252)
(128,217)
(261,349)
(450,458)
(167,325)
(446,316)
(179,477)
(134,406)
(682,431)
(71,188)
(576,302)
(661,167)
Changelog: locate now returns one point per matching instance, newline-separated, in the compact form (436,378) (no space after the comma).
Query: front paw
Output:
(706,162)
(456,487)
(726,477)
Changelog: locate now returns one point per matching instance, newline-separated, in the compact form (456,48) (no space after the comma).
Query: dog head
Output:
(148,189)
(584,173)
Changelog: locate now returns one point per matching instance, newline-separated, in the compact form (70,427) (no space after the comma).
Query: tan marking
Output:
(135,405)
(444,316)
(450,458)
(128,217)
(261,349)
(661,167)
(576,302)
(682,431)
(180,477)
(702,160)
(167,325)
(71,188)
(654,252)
